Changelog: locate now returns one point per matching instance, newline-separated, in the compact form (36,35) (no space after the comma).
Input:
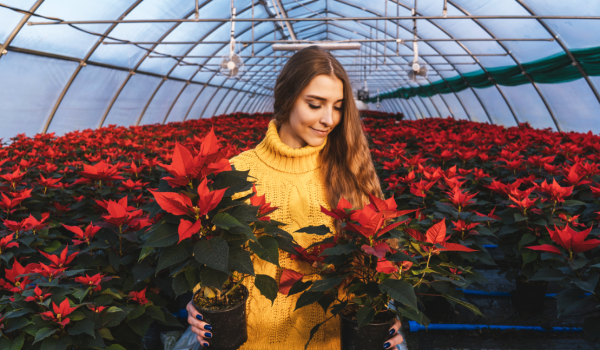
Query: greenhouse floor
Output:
(500,311)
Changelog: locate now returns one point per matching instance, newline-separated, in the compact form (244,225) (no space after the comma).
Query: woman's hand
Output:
(201,328)
(396,337)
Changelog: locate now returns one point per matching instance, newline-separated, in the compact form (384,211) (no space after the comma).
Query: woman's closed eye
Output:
(317,107)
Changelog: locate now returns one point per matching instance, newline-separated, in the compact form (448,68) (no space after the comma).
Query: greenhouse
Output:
(299,174)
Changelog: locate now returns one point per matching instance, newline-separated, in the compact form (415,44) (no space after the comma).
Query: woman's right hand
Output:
(202,329)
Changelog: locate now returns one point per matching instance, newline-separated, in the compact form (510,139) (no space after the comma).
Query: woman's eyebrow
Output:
(321,98)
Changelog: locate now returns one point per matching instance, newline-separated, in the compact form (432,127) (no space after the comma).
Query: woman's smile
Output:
(320,132)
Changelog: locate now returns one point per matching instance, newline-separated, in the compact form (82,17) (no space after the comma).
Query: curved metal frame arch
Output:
(527,75)
(141,116)
(410,48)
(19,26)
(81,65)
(564,47)
(405,61)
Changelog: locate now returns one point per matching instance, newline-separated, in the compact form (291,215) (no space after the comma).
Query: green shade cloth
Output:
(558,68)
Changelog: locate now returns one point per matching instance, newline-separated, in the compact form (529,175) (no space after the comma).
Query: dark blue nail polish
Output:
(205,345)
(208,335)
(199,317)
(386,345)
(392,331)
(208,327)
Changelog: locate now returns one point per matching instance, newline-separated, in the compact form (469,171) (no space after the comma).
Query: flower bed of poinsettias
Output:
(77,268)
(534,193)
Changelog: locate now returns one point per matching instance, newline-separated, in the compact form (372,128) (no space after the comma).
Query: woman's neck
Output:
(289,137)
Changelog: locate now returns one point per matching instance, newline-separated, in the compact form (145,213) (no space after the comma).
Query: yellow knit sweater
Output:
(290,179)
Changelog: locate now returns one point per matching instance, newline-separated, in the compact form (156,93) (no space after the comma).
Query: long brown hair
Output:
(346,166)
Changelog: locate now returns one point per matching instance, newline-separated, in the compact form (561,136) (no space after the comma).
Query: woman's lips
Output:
(320,132)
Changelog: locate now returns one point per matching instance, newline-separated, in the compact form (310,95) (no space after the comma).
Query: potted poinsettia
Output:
(209,236)
(361,273)
(526,217)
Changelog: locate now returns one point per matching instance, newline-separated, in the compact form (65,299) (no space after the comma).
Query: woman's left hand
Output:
(397,338)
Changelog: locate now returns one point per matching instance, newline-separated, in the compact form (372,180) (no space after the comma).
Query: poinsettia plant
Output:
(208,233)
(370,263)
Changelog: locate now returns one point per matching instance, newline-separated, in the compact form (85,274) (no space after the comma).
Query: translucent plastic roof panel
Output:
(9,19)
(184,103)
(162,102)
(491,80)
(201,102)
(86,101)
(65,40)
(30,87)
(132,99)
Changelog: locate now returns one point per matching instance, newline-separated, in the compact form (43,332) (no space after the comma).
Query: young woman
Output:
(314,153)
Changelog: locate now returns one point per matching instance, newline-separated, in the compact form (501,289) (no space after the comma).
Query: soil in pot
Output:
(371,336)
(228,319)
(530,295)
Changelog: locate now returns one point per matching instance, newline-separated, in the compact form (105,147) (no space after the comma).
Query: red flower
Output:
(17,284)
(90,232)
(287,280)
(421,188)
(93,281)
(97,309)
(60,261)
(569,239)
(460,199)
(462,226)
(48,271)
(178,204)
(339,213)
(185,167)
(556,193)
(139,297)
(6,243)
(264,208)
(39,295)
(15,178)
(437,235)
(60,313)
(101,172)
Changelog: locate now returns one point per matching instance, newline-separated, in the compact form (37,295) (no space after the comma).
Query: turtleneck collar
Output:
(282,157)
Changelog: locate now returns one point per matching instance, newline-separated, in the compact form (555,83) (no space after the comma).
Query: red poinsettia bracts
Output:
(571,240)
(18,280)
(138,297)
(39,295)
(181,204)
(287,280)
(264,207)
(437,235)
(7,242)
(59,313)
(93,282)
(61,261)
(83,236)
(101,171)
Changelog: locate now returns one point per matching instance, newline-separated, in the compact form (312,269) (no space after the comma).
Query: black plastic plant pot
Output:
(371,336)
(229,326)
(530,295)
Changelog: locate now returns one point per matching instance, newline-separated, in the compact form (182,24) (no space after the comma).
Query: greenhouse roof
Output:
(72,64)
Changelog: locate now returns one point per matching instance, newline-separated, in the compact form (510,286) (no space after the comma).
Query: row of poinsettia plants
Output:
(103,229)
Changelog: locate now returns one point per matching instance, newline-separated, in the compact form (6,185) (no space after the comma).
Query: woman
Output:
(314,153)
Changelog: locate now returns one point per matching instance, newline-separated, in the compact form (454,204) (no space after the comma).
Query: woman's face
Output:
(317,110)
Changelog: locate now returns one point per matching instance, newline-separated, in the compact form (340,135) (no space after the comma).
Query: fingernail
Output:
(392,331)
(208,327)
(205,345)
(199,317)
(208,335)
(386,345)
